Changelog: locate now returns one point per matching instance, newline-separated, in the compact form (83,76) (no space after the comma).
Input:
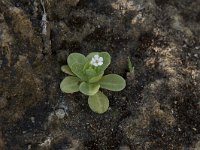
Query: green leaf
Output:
(106,59)
(96,78)
(93,75)
(130,66)
(98,103)
(77,69)
(89,88)
(90,72)
(67,70)
(76,58)
(76,62)
(70,84)
(112,82)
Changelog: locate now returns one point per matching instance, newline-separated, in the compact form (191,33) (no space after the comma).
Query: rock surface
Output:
(159,108)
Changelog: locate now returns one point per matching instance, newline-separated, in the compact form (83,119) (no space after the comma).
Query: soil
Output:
(158,109)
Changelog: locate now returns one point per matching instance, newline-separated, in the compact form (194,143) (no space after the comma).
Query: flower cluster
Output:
(96,61)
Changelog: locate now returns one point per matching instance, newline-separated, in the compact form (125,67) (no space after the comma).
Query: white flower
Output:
(97,61)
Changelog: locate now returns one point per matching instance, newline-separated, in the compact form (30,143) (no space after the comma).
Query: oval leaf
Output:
(70,84)
(77,69)
(90,72)
(93,75)
(76,62)
(98,103)
(67,70)
(112,82)
(89,88)
(76,58)
(106,59)
(96,78)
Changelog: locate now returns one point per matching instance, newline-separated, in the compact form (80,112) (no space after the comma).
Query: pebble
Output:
(29,147)
(194,129)
(184,46)
(196,55)
(197,47)
(60,113)
(33,119)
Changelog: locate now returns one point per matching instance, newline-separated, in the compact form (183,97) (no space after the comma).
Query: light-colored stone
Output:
(60,113)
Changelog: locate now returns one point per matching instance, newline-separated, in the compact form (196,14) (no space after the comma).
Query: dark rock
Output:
(3,102)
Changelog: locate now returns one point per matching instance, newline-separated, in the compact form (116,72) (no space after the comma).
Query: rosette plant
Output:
(86,74)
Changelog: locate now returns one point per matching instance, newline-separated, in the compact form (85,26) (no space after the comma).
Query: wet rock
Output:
(1,62)
(197,145)
(59,9)
(6,40)
(5,36)
(136,128)
(60,137)
(124,147)
(21,23)
(159,110)
(72,2)
(198,105)
(2,144)
(3,102)
(62,56)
